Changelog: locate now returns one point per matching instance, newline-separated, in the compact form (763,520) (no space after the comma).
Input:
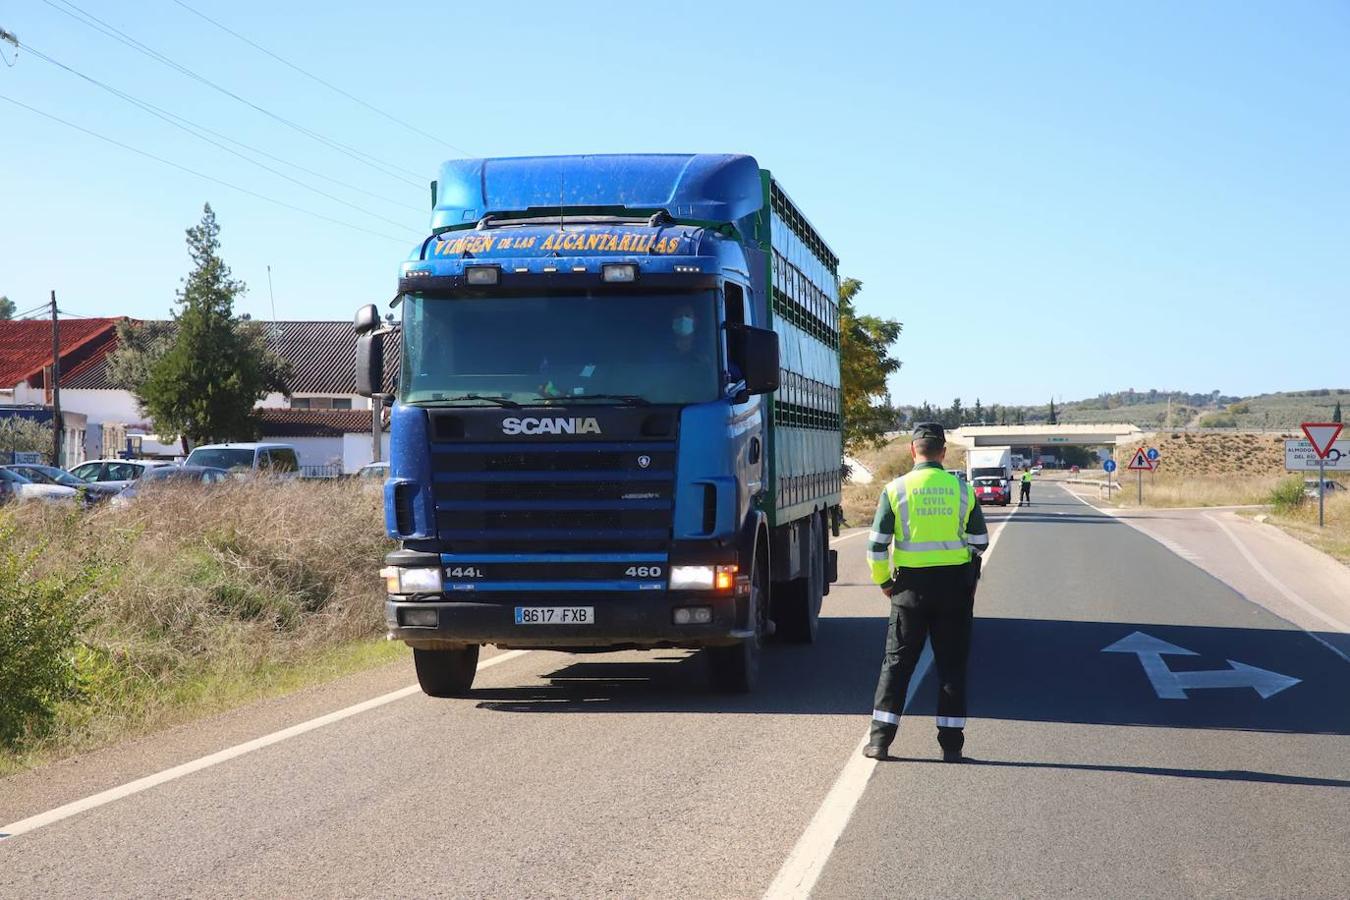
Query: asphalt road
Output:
(623,775)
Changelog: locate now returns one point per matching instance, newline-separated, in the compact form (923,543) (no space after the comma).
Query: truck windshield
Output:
(560,348)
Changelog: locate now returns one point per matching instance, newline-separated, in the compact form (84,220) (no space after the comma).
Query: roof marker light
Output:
(619,273)
(687,269)
(578,268)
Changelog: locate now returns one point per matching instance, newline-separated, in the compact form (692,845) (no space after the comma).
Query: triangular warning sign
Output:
(1322,435)
(1140,461)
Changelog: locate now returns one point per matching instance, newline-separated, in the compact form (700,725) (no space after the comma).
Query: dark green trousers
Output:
(934,604)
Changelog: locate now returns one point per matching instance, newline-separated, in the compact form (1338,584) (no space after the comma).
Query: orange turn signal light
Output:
(725,578)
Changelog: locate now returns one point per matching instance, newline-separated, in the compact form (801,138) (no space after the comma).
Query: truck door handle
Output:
(753,453)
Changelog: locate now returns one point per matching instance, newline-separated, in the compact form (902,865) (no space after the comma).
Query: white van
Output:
(263,459)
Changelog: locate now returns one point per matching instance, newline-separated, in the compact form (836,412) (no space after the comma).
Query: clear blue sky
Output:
(1055,199)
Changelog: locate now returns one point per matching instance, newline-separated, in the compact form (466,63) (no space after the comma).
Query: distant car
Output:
(165,475)
(1310,486)
(115,472)
(374,471)
(993,490)
(40,474)
(19,488)
(268,459)
(1037,469)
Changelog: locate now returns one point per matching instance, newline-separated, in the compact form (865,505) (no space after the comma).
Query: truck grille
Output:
(554,496)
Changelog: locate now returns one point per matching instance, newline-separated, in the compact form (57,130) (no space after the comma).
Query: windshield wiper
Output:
(499,401)
(625,399)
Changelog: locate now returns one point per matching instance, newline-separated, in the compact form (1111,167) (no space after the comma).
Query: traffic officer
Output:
(1024,498)
(939,533)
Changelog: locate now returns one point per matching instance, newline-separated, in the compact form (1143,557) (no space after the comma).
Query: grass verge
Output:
(1162,491)
(196,600)
(885,462)
(1300,521)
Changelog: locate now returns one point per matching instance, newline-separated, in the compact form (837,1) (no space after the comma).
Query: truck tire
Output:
(446,673)
(797,602)
(735,669)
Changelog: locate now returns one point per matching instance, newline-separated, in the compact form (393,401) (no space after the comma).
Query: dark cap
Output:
(929,430)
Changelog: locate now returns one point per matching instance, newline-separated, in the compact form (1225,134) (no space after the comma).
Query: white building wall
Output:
(356,451)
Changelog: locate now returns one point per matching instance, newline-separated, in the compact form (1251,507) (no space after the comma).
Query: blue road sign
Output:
(1152,452)
(1109,465)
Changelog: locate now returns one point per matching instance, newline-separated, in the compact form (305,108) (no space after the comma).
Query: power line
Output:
(189,126)
(313,77)
(92,21)
(203,175)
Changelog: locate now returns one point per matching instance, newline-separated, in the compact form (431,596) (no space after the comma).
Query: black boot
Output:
(876,751)
(951,740)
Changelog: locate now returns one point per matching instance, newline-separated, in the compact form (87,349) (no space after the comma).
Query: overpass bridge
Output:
(1042,435)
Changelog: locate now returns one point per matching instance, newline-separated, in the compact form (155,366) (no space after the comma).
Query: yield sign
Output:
(1140,462)
(1322,435)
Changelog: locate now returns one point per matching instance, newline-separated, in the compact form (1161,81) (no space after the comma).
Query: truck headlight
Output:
(691,578)
(702,578)
(411,581)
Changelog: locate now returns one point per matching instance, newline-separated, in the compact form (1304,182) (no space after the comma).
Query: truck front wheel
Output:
(797,602)
(446,673)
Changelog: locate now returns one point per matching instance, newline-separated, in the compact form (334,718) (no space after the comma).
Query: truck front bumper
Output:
(627,621)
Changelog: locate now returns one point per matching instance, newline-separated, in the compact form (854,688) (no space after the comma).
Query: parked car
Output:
(992,489)
(269,459)
(19,488)
(116,472)
(166,475)
(40,474)
(1310,487)
(376,471)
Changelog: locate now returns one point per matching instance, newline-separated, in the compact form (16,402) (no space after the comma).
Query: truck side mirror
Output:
(367,319)
(755,352)
(370,364)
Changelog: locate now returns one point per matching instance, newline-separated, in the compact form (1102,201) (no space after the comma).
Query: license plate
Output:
(555,615)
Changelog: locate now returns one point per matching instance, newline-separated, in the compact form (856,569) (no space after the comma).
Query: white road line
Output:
(1289,594)
(32,823)
(845,537)
(801,870)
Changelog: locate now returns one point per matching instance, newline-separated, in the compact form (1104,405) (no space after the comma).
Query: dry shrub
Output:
(201,584)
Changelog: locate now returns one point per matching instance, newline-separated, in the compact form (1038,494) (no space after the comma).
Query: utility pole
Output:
(57,425)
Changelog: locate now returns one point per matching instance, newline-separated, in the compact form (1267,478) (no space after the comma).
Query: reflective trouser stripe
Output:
(925,546)
(882,716)
(951,721)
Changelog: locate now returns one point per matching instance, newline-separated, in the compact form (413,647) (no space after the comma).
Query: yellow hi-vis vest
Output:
(932,510)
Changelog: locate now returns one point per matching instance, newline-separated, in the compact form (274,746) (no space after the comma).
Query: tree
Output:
(1336,414)
(6,307)
(19,435)
(865,363)
(139,347)
(205,383)
(1054,419)
(977,415)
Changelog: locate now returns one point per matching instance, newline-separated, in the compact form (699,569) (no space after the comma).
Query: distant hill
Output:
(1162,409)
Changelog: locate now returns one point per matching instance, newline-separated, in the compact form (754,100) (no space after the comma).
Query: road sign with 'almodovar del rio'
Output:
(1140,462)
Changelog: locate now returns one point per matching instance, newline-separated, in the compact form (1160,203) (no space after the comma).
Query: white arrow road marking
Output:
(1169,685)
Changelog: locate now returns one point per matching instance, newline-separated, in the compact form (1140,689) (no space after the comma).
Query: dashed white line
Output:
(32,823)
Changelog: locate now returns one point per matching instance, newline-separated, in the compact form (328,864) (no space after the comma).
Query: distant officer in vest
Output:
(1024,498)
(938,532)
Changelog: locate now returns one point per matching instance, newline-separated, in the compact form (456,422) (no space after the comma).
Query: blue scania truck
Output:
(617,418)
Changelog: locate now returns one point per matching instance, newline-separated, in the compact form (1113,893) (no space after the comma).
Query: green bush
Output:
(41,616)
(1288,494)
